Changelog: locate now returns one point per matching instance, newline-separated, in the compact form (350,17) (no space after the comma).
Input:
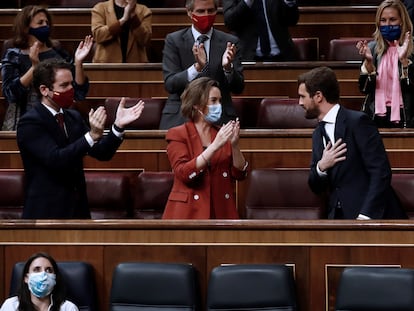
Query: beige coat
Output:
(106,30)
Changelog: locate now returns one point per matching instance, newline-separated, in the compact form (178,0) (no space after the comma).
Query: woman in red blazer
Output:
(206,159)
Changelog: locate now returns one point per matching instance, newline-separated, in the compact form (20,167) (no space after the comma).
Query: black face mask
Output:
(41,33)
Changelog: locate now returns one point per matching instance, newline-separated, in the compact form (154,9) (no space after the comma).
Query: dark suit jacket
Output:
(178,57)
(361,183)
(241,20)
(196,193)
(55,182)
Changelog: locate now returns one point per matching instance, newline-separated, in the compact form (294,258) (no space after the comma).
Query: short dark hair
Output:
(196,93)
(189,4)
(322,79)
(25,302)
(44,72)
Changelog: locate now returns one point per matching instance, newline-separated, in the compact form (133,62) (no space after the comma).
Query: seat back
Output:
(154,189)
(109,194)
(154,286)
(282,113)
(282,194)
(246,109)
(11,194)
(375,288)
(149,119)
(79,281)
(307,49)
(344,49)
(403,185)
(251,287)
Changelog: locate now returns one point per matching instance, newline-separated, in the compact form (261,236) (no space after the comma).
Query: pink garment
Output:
(388,87)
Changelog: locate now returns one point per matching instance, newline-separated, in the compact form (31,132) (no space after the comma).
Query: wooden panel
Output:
(325,22)
(262,148)
(316,250)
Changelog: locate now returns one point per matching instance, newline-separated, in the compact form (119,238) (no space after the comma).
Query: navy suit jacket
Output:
(361,184)
(53,164)
(241,20)
(178,57)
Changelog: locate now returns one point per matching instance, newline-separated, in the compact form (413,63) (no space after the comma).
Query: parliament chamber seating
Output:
(112,194)
(79,280)
(307,49)
(149,119)
(403,185)
(344,49)
(11,194)
(109,194)
(282,113)
(282,194)
(375,288)
(251,287)
(151,194)
(143,286)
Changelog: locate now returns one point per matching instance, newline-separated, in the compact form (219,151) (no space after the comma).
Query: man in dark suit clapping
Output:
(53,140)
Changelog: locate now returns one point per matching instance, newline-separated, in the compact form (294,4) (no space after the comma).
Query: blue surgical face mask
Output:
(391,32)
(214,113)
(41,33)
(41,284)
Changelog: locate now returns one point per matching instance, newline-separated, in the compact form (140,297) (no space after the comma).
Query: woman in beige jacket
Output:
(122,31)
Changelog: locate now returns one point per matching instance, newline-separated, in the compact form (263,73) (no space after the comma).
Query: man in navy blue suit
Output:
(54,139)
(349,160)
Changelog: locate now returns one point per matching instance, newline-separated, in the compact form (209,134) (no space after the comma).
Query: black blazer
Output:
(362,182)
(241,20)
(53,164)
(178,57)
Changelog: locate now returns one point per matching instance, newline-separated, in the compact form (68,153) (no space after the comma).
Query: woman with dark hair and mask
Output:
(31,44)
(206,159)
(387,72)
(41,287)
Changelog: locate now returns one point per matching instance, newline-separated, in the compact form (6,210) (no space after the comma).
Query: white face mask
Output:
(214,113)
(41,284)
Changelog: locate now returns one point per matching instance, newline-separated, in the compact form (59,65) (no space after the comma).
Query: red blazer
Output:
(200,194)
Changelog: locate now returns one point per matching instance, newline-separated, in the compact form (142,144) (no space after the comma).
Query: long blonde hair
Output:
(406,26)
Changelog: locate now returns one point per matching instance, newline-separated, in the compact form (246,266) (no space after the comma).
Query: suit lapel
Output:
(340,132)
(51,123)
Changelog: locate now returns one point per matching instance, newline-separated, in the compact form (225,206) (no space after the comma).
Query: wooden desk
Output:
(316,250)
(262,148)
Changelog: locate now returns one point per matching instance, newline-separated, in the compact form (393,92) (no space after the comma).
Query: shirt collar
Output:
(53,111)
(330,117)
(196,33)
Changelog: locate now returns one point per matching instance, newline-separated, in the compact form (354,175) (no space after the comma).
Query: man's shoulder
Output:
(177,33)
(226,35)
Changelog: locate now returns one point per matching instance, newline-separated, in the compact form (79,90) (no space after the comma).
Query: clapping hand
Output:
(364,50)
(228,55)
(83,49)
(225,134)
(97,119)
(403,49)
(124,115)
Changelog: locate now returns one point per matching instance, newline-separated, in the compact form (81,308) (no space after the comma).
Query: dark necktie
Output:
(61,121)
(323,132)
(262,27)
(202,39)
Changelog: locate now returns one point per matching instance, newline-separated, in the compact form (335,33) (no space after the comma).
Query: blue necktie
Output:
(262,27)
